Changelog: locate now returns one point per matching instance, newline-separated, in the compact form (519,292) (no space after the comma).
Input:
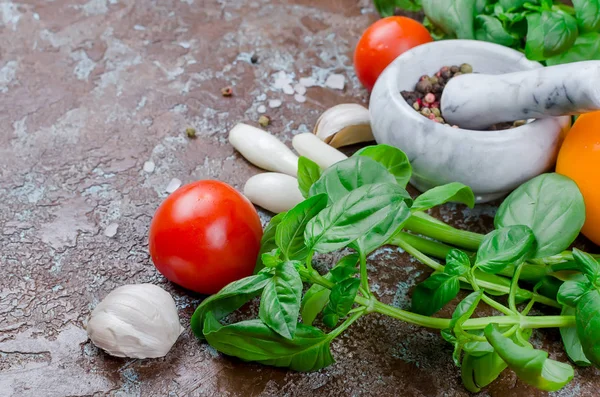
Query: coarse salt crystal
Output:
(111,230)
(300,89)
(274,103)
(149,166)
(281,79)
(173,185)
(308,82)
(300,98)
(261,97)
(336,81)
(287,89)
(261,109)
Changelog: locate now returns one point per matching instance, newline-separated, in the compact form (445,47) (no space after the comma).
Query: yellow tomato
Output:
(579,159)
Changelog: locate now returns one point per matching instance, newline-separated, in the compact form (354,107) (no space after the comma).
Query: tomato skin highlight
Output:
(383,42)
(579,159)
(204,236)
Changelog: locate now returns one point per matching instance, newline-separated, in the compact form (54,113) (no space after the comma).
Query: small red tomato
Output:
(205,235)
(383,42)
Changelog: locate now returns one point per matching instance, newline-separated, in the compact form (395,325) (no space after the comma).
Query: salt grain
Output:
(336,81)
(173,185)
(274,103)
(281,80)
(300,98)
(149,166)
(261,109)
(300,89)
(111,230)
(287,89)
(308,82)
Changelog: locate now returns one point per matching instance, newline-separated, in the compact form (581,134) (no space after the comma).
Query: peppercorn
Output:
(424,86)
(429,98)
(254,58)
(264,120)
(426,112)
(436,89)
(190,132)
(435,105)
(416,106)
(424,77)
(454,69)
(434,80)
(440,120)
(457,74)
(466,68)
(444,69)
(227,91)
(436,111)
(432,117)
(447,74)
(519,123)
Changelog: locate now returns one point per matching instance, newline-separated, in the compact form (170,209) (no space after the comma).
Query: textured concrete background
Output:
(89,91)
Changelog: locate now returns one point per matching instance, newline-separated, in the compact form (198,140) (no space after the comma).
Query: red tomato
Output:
(204,236)
(383,42)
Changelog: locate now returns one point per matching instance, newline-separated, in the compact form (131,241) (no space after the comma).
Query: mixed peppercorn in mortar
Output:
(427,96)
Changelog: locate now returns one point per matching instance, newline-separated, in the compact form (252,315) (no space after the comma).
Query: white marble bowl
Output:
(492,163)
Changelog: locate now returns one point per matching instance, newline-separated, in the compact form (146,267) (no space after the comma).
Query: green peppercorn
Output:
(416,106)
(436,111)
(426,112)
(434,80)
(466,68)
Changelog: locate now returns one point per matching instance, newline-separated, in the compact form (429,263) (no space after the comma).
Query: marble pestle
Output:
(477,101)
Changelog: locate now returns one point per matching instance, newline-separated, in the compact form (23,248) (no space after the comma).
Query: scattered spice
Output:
(227,91)
(428,94)
(254,58)
(190,132)
(264,120)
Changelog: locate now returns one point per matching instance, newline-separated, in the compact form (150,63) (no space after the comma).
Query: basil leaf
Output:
(290,232)
(478,372)
(586,48)
(381,232)
(254,341)
(267,242)
(308,173)
(340,301)
(571,292)
(502,247)
(552,206)
(386,8)
(434,293)
(230,298)
(491,29)
(393,159)
(457,263)
(587,319)
(549,33)
(272,259)
(280,300)
(587,264)
(531,366)
(588,15)
(548,286)
(455,18)
(354,215)
(509,5)
(316,297)
(465,309)
(452,192)
(571,341)
(347,175)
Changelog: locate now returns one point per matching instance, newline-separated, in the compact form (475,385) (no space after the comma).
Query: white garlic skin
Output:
(344,124)
(138,321)
(273,191)
(263,149)
(310,146)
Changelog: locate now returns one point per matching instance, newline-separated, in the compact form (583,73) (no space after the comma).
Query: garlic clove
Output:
(138,320)
(343,125)
(263,149)
(309,145)
(273,191)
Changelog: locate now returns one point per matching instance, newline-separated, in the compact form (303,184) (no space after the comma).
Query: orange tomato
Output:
(579,159)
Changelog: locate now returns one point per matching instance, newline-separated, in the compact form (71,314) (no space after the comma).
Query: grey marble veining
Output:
(492,163)
(477,101)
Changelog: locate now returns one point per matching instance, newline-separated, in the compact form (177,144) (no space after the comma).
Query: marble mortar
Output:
(492,163)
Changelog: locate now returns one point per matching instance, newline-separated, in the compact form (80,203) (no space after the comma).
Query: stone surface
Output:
(90,91)
(476,101)
(492,163)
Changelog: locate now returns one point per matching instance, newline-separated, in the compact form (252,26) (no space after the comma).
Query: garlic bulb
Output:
(138,321)
(263,149)
(273,191)
(318,151)
(345,124)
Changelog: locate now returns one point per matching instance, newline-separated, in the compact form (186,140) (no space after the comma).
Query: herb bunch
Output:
(544,30)
(361,203)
